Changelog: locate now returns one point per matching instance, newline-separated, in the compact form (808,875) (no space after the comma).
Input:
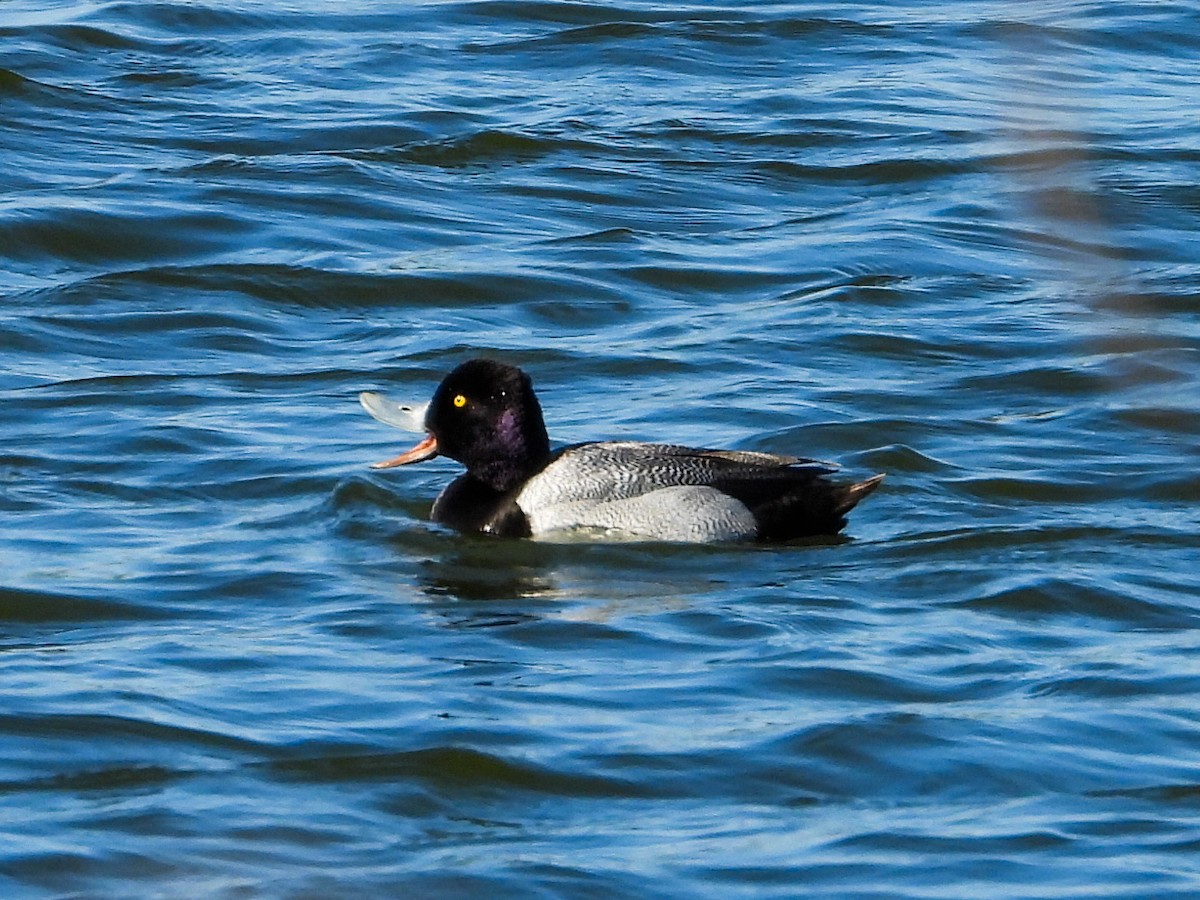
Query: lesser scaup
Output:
(486,416)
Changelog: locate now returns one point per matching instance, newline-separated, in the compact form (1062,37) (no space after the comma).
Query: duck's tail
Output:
(853,494)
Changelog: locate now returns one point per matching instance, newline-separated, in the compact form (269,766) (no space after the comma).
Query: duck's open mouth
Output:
(427,449)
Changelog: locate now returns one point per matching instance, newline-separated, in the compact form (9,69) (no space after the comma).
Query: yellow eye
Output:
(459,401)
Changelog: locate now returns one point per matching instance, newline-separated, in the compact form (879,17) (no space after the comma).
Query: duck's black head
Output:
(485,415)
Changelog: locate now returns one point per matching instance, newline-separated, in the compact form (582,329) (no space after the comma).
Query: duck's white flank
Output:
(626,488)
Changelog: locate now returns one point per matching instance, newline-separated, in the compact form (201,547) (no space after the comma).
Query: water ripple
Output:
(955,245)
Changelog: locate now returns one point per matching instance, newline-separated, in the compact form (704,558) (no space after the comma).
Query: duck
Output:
(485,415)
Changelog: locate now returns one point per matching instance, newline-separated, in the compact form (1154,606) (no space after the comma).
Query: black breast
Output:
(468,504)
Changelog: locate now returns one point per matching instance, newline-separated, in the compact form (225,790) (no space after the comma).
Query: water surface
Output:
(954,245)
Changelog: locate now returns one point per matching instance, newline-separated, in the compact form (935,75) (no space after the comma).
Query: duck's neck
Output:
(522,450)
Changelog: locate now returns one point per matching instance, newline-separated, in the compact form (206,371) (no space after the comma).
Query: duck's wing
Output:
(751,457)
(619,470)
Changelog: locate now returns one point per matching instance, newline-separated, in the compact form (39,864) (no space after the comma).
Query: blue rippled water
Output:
(953,242)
